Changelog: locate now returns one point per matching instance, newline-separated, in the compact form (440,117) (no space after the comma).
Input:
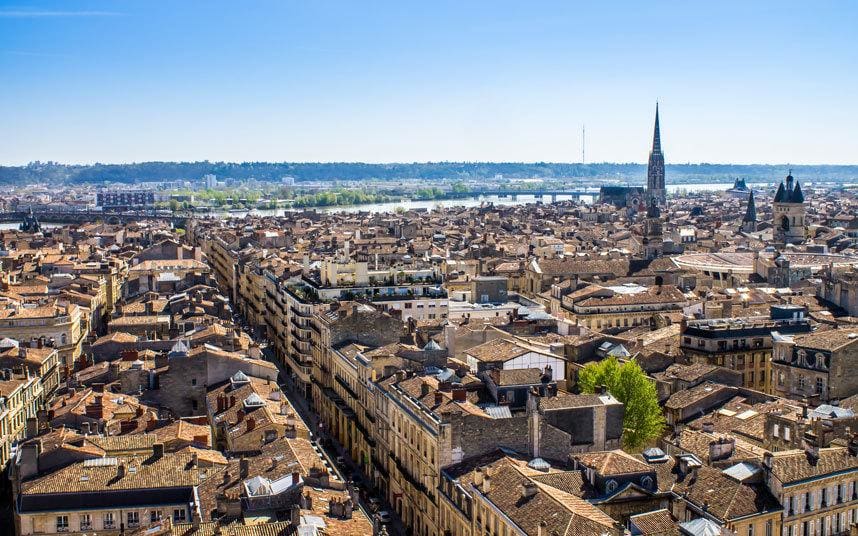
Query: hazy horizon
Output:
(742,83)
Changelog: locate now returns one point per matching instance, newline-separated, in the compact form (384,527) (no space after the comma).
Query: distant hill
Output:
(40,172)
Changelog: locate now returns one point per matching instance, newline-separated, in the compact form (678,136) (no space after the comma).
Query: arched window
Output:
(611,486)
(646,482)
(63,339)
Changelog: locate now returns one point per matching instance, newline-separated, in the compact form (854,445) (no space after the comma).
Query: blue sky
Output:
(768,82)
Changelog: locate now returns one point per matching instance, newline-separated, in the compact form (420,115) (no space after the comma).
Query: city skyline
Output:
(108,82)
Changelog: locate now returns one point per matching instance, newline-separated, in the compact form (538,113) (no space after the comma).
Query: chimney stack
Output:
(528,490)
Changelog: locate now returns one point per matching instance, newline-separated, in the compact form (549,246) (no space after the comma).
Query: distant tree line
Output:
(51,172)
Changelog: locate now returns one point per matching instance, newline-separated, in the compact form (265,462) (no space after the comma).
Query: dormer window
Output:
(647,482)
(611,486)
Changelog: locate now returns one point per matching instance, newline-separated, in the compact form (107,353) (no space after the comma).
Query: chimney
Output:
(158,450)
(460,394)
(84,427)
(478,477)
(243,468)
(487,484)
(296,476)
(239,415)
(231,400)
(98,388)
(528,490)
(424,389)
(120,471)
(439,398)
(721,449)
(708,427)
(251,424)
(221,403)
(195,460)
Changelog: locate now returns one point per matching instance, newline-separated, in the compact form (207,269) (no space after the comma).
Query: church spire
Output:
(656,136)
(751,212)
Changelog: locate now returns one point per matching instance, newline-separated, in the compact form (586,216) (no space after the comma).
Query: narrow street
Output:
(329,448)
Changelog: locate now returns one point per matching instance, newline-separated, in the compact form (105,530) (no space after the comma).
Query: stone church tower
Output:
(789,213)
(653,241)
(655,168)
(749,222)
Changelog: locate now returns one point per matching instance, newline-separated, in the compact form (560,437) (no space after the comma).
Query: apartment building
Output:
(817,488)
(742,344)
(619,307)
(21,397)
(62,325)
(816,366)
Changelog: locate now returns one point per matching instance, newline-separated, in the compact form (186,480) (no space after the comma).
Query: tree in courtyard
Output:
(627,382)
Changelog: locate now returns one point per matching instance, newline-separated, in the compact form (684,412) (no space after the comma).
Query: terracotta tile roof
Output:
(99,475)
(656,523)
(827,340)
(562,512)
(724,497)
(683,399)
(612,463)
(794,465)
(497,350)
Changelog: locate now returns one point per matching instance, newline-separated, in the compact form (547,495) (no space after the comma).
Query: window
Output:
(802,383)
(108,520)
(646,482)
(820,385)
(193,381)
(133,519)
(611,486)
(85,522)
(155,516)
(769,527)
(787,433)
(179,515)
(62,523)
(775,430)
(750,530)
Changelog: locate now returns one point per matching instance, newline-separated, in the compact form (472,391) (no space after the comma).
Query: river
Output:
(520,199)
(392,206)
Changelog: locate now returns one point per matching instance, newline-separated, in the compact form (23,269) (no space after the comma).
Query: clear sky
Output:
(402,81)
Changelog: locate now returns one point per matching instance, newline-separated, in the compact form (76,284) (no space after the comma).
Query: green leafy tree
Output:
(174,205)
(627,382)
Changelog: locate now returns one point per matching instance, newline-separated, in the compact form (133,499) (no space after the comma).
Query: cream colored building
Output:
(65,324)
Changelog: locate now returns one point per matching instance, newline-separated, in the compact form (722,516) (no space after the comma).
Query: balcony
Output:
(301,334)
(297,312)
(305,354)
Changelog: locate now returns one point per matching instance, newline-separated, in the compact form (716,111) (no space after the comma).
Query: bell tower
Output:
(789,213)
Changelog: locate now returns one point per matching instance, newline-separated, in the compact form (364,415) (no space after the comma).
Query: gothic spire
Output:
(656,136)
(751,212)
